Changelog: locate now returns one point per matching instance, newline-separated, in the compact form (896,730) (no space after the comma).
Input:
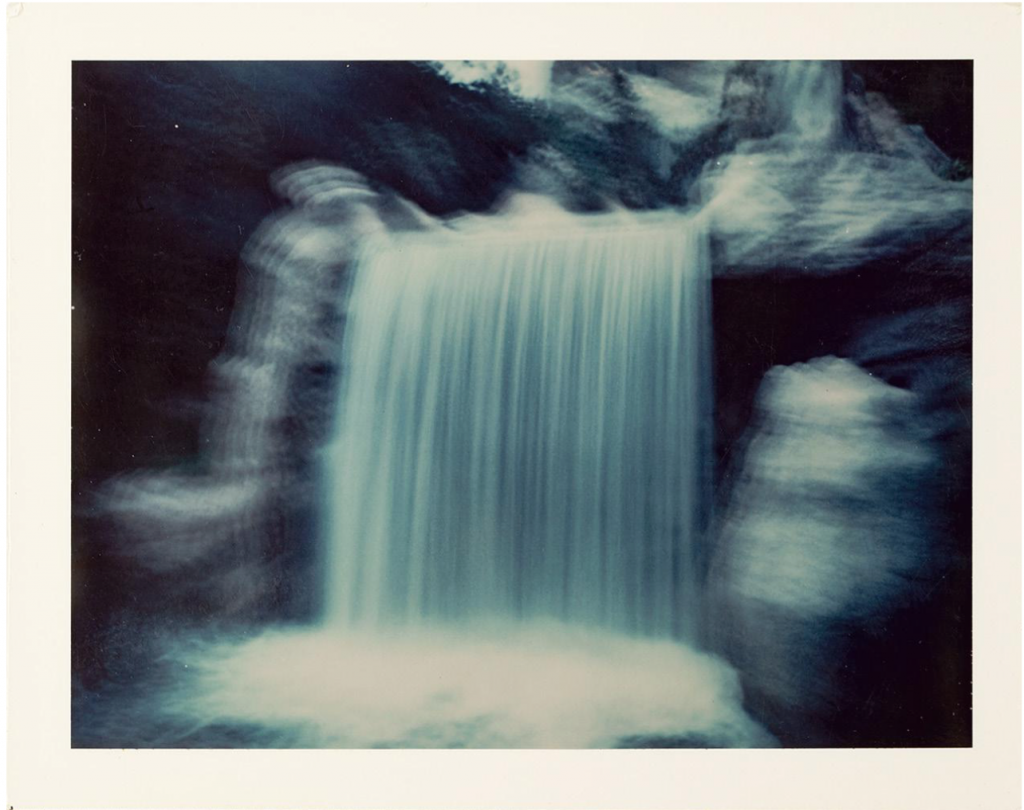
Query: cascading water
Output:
(806,101)
(517,493)
(522,430)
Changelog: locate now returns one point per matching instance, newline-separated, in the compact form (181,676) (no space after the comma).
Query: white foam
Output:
(510,686)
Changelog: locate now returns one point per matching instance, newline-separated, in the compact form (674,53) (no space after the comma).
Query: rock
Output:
(828,561)
(825,212)
(227,529)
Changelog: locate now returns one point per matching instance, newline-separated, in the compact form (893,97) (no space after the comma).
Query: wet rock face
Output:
(823,587)
(828,212)
(233,533)
(797,165)
(835,180)
(744,105)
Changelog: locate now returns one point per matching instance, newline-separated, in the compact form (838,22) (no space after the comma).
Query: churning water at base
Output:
(522,426)
(515,685)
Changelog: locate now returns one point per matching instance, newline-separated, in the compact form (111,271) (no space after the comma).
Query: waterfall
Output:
(515,490)
(807,100)
(522,430)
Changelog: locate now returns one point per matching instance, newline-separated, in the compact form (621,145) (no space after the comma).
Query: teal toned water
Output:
(521,430)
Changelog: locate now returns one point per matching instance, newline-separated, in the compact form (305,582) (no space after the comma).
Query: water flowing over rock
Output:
(798,167)
(523,429)
(837,184)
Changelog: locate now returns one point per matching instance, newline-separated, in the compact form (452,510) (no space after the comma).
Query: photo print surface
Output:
(521,404)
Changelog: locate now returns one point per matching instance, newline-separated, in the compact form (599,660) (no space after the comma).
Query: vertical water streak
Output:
(807,100)
(521,432)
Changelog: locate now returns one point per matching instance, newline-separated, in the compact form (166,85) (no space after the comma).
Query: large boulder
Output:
(829,570)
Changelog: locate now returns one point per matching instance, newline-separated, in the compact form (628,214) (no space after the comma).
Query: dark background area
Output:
(937,95)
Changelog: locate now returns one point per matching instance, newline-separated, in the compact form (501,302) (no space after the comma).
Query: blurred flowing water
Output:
(523,428)
(807,101)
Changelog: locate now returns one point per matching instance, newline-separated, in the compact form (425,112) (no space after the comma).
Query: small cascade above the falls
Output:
(807,100)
